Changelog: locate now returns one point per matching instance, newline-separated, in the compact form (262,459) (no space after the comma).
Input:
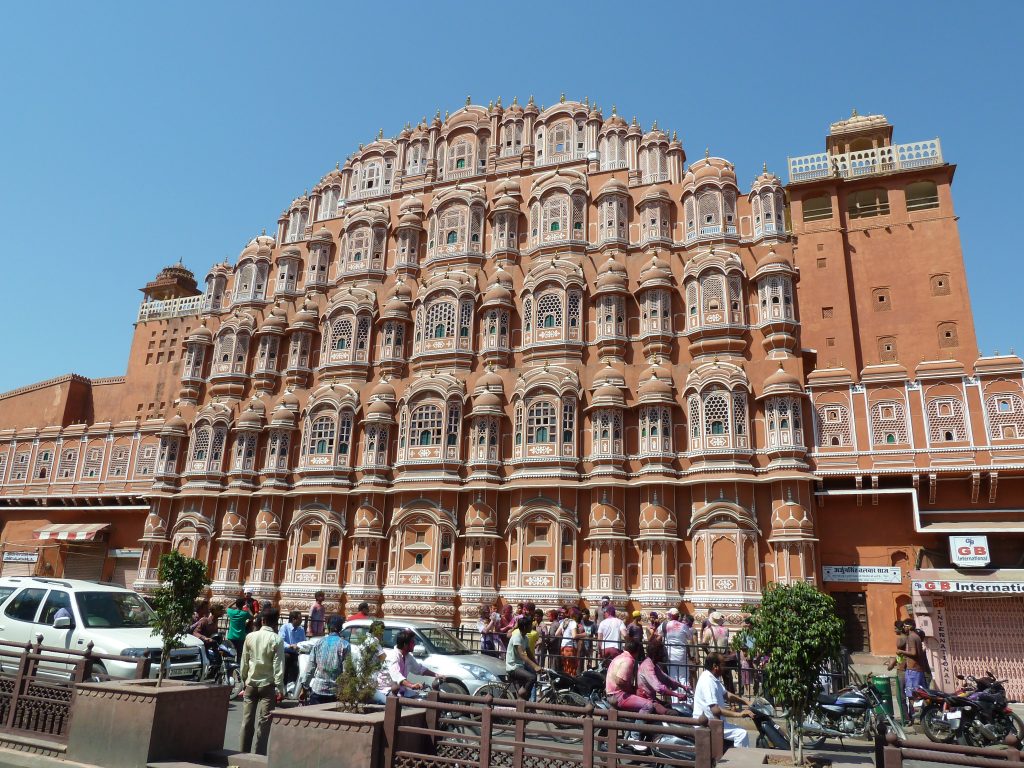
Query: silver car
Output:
(441,652)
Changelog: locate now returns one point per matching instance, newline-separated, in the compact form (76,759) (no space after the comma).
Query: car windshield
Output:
(442,641)
(113,610)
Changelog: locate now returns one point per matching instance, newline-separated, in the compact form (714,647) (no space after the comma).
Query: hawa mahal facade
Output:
(525,353)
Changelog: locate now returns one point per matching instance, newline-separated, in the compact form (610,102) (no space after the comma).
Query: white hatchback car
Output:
(114,619)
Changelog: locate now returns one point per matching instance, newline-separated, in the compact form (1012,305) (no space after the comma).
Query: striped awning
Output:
(71,531)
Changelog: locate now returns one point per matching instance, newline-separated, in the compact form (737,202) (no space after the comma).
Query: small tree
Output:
(182,581)
(357,683)
(797,629)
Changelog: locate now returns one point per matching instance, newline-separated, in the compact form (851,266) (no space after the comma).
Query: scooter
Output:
(769,735)
(222,665)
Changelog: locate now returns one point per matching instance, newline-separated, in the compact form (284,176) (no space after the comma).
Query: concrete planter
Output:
(128,723)
(319,736)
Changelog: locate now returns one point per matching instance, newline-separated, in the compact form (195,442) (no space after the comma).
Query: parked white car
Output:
(114,619)
(441,652)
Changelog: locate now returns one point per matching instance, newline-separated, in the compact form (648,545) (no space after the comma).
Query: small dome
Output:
(410,220)
(507,188)
(654,136)
(232,525)
(323,235)
(497,294)
(379,408)
(275,321)
(411,204)
(608,395)
(306,317)
(154,527)
(268,524)
(791,520)
(250,419)
(201,335)
(781,382)
(383,391)
(397,308)
(282,417)
(772,258)
(490,380)
(612,277)
(505,202)
(288,400)
(613,187)
(654,387)
(481,518)
(176,272)
(657,519)
(655,272)
(607,375)
(614,121)
(368,519)
(715,169)
(606,519)
(656,194)
(486,402)
(175,425)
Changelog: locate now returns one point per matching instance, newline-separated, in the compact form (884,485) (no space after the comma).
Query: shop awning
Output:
(71,531)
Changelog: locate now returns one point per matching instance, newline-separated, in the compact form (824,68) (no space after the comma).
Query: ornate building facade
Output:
(534,354)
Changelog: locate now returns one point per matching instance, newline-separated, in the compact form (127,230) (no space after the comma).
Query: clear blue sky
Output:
(135,134)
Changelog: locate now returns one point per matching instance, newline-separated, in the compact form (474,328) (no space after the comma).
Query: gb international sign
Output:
(862,574)
(969,551)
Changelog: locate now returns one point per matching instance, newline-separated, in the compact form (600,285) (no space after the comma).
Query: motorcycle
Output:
(982,717)
(222,666)
(853,712)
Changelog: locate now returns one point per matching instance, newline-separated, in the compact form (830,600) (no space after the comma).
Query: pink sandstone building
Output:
(526,353)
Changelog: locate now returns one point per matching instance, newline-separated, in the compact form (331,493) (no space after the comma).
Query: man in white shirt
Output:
(610,634)
(399,663)
(710,697)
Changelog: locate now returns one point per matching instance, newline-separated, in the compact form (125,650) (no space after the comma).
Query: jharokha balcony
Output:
(866,162)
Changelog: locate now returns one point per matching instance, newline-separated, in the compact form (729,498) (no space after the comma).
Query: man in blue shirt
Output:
(292,634)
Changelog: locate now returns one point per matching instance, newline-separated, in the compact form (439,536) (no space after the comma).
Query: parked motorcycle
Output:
(853,712)
(982,717)
(222,666)
(769,735)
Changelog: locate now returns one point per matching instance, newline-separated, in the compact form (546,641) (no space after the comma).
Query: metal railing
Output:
(485,732)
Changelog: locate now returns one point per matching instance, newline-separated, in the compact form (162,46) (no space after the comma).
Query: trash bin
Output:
(883,687)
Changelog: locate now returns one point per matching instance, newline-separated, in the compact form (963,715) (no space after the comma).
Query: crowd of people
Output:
(572,639)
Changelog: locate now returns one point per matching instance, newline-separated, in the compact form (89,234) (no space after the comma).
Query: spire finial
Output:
(515,100)
(531,102)
(499,102)
(561,99)
(654,125)
(437,115)
(675,136)
(380,133)
(634,120)
(707,152)
(446,115)
(264,233)
(854,112)
(469,100)
(586,101)
(614,111)
(764,167)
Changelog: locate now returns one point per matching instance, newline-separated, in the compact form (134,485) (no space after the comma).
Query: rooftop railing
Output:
(866,162)
(156,310)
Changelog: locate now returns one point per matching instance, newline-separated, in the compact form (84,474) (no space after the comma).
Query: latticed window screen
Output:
(376,446)
(739,412)
(321,436)
(568,424)
(541,423)
(362,338)
(460,156)
(549,311)
(168,454)
(318,267)
(735,299)
(693,414)
(118,462)
(888,423)
(783,418)
(575,313)
(217,447)
(946,420)
(357,250)
(716,414)
(454,420)
(20,469)
(425,426)
(245,451)
(709,208)
(579,208)
(833,421)
(225,347)
(66,468)
(377,251)
(452,225)
(1005,416)
(440,320)
(607,432)
(94,462)
(266,356)
(201,444)
(145,462)
(729,199)
(341,334)
(241,353)
(712,292)
(556,217)
(344,434)
(277,450)
(465,318)
(3,466)
(690,214)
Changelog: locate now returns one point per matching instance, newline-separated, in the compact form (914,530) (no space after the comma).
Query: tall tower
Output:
(881,270)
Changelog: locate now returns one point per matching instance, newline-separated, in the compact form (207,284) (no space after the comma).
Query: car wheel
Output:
(453,686)
(98,674)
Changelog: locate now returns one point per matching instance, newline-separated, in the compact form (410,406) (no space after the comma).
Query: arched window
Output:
(321,436)
(549,311)
(425,425)
(441,319)
(541,426)
(201,445)
(341,333)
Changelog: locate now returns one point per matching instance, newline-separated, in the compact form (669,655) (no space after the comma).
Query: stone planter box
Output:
(319,736)
(129,723)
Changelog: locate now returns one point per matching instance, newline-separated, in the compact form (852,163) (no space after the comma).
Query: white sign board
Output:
(969,551)
(863,574)
(21,557)
(975,587)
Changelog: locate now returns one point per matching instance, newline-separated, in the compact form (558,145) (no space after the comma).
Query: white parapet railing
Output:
(866,162)
(186,305)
